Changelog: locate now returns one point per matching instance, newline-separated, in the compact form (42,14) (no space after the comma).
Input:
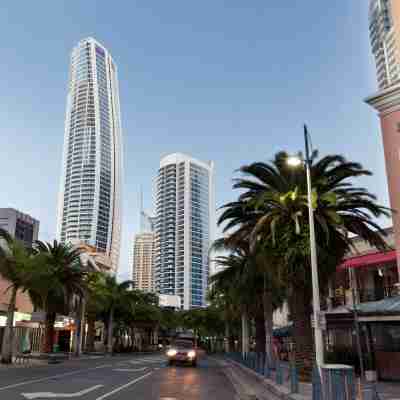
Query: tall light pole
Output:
(318,336)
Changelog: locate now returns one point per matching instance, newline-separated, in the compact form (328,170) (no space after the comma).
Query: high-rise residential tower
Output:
(384,21)
(143,261)
(384,28)
(90,193)
(184,228)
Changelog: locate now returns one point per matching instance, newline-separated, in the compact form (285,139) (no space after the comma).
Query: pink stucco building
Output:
(384,27)
(387,103)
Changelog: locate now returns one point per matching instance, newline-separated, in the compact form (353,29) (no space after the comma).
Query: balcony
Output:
(344,298)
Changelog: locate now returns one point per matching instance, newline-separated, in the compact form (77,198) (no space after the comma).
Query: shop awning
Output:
(388,306)
(369,259)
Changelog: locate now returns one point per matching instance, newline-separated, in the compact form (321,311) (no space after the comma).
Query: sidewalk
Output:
(252,385)
(38,359)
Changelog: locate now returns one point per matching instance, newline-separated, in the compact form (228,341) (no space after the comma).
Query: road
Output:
(142,377)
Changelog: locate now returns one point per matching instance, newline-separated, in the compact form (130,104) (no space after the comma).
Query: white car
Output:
(182,351)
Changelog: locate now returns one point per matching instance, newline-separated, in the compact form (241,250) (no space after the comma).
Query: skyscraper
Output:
(384,28)
(184,228)
(384,16)
(90,193)
(143,261)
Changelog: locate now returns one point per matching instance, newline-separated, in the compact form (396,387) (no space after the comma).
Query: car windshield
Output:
(184,344)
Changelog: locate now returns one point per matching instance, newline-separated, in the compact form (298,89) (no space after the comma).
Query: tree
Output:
(276,194)
(60,277)
(15,259)
(115,294)
(258,263)
(95,306)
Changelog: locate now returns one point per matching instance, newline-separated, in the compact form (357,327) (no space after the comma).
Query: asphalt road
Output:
(142,377)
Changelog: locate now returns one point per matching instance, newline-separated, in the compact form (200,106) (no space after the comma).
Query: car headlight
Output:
(171,353)
(192,354)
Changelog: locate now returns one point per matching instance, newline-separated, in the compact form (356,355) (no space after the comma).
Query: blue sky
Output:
(230,81)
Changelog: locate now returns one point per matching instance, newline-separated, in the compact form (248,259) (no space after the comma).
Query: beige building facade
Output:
(143,261)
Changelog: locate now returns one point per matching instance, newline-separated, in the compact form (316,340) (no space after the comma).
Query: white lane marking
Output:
(145,361)
(48,378)
(129,369)
(51,395)
(118,389)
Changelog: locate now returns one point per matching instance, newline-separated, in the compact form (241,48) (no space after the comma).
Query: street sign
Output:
(321,320)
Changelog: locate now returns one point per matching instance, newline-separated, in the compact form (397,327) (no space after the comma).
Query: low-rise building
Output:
(26,229)
(365,287)
(19,225)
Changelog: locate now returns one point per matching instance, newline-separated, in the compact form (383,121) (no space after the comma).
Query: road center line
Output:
(48,378)
(118,389)
(130,370)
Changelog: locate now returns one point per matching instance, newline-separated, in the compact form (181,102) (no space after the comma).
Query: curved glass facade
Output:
(90,194)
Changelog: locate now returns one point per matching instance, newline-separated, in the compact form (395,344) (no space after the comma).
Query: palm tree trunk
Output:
(91,334)
(245,333)
(260,333)
(300,310)
(8,340)
(49,332)
(227,337)
(110,331)
(268,323)
(79,327)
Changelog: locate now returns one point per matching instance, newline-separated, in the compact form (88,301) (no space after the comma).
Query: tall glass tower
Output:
(90,192)
(184,228)
(384,29)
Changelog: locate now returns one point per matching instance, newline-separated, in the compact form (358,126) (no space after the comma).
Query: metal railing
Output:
(364,296)
(282,372)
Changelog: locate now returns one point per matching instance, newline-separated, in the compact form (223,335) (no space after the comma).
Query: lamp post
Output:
(318,337)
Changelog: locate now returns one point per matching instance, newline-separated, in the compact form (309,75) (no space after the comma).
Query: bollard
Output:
(261,364)
(294,379)
(278,373)
(316,384)
(338,382)
(369,391)
(267,370)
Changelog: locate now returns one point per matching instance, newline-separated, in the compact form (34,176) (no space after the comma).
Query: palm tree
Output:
(115,294)
(60,278)
(230,286)
(258,267)
(95,306)
(15,258)
(276,195)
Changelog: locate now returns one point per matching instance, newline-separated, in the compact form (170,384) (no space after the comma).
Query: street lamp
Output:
(318,337)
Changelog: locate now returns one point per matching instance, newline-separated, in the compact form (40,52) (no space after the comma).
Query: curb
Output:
(241,391)
(276,390)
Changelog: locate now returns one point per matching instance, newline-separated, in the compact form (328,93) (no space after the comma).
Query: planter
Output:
(371,376)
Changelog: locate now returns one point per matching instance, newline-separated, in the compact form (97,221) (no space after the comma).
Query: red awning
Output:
(369,259)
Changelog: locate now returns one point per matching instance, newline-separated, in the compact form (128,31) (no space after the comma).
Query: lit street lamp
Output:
(318,337)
